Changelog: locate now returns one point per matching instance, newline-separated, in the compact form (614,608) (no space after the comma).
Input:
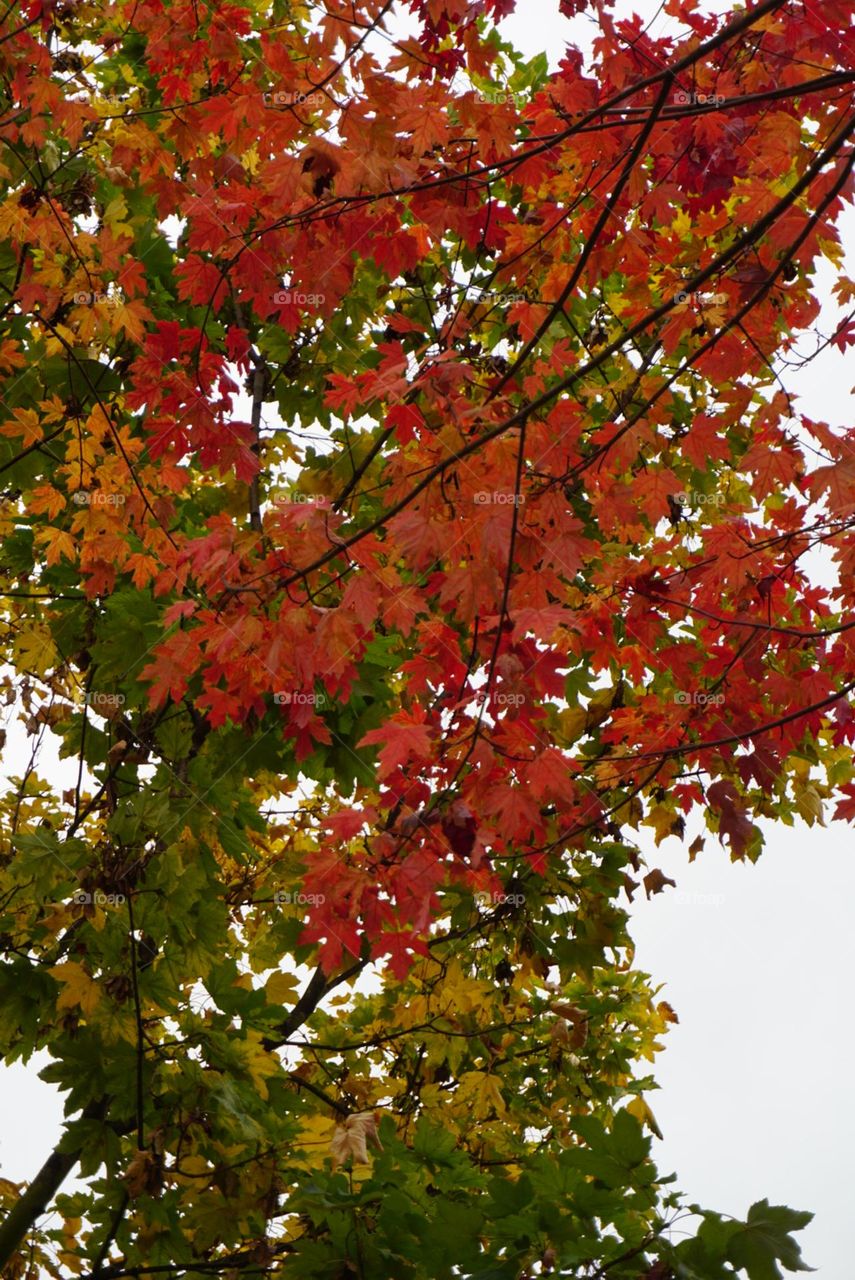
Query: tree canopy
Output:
(403,511)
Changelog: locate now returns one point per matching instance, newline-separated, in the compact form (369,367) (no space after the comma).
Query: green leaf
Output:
(765,1240)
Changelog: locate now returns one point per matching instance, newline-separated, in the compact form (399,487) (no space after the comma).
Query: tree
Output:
(367,689)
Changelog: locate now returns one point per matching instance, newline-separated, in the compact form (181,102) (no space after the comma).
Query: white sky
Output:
(754,1099)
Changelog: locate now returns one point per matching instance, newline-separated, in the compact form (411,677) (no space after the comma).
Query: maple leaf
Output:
(516,812)
(401,948)
(845,335)
(170,671)
(59,543)
(353,1138)
(845,809)
(348,823)
(24,424)
(79,990)
(655,882)
(404,737)
(406,421)
(34,649)
(640,1108)
(836,483)
(130,317)
(549,776)
(344,394)
(733,820)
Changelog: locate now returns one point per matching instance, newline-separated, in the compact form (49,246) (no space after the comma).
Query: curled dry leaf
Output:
(144,1175)
(352,1139)
(578,1020)
(655,881)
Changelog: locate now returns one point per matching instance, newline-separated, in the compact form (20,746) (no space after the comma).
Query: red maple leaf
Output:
(404,737)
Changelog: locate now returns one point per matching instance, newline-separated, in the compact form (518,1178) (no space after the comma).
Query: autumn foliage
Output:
(403,512)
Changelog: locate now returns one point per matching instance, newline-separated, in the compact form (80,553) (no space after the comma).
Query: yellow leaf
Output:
(79,991)
(116,210)
(58,919)
(573,722)
(192,1168)
(250,159)
(87,323)
(34,650)
(259,1063)
(482,1093)
(663,820)
(316,1131)
(280,988)
(682,225)
(639,1108)
(809,805)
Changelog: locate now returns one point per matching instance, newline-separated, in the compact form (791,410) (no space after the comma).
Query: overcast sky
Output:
(755,1079)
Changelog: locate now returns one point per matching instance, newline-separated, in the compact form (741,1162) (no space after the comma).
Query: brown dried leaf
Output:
(352,1139)
(655,881)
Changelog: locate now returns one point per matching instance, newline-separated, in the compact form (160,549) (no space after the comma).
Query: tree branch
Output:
(37,1198)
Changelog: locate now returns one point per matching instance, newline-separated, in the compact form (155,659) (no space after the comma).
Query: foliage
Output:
(403,511)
